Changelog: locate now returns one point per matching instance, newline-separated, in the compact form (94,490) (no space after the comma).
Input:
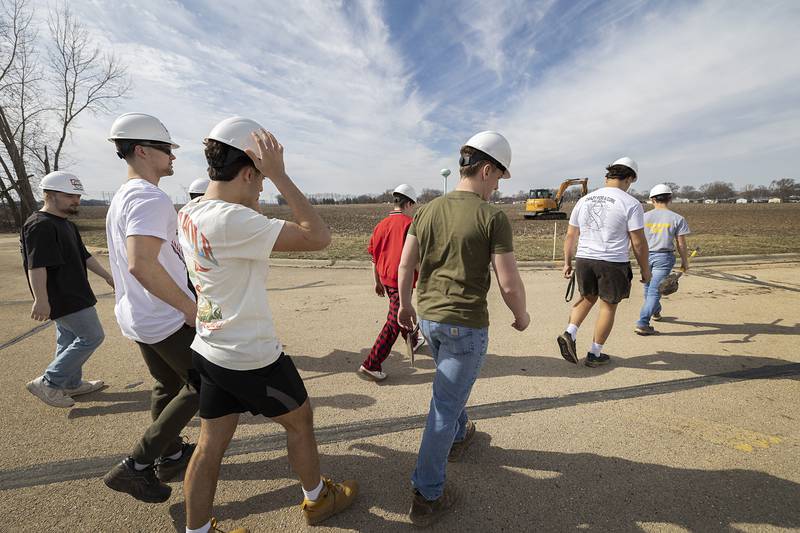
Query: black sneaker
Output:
(141,484)
(458,448)
(596,360)
(168,469)
(424,513)
(567,347)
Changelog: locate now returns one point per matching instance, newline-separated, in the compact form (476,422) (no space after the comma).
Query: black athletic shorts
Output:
(271,391)
(610,281)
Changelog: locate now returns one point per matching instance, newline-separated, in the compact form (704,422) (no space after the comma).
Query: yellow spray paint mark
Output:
(741,439)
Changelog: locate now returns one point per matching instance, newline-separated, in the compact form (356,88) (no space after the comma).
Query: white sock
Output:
(140,466)
(313,495)
(572,329)
(597,349)
(176,455)
(204,529)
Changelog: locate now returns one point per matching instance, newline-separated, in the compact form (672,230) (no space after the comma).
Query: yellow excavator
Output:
(541,204)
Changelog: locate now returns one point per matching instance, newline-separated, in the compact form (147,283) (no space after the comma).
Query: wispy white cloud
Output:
(691,94)
(693,91)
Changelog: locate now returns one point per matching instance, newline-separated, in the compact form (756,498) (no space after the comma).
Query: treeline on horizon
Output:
(784,188)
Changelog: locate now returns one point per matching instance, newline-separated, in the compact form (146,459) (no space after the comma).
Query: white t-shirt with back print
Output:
(605,217)
(140,208)
(227,248)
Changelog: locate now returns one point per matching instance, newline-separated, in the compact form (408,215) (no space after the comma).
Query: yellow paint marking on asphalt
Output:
(741,439)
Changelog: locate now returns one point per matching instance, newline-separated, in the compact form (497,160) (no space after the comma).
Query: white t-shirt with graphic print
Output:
(227,248)
(141,208)
(605,217)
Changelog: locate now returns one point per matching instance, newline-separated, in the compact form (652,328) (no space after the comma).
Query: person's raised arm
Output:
(143,264)
(640,251)
(309,232)
(511,288)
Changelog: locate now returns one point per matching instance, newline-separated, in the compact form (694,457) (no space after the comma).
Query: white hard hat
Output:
(407,191)
(62,182)
(141,127)
(660,189)
(236,132)
(199,186)
(627,162)
(495,145)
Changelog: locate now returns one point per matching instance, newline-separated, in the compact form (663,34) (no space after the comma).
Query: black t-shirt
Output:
(54,243)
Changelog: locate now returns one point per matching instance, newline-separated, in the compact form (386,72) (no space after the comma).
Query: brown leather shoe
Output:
(458,448)
(423,513)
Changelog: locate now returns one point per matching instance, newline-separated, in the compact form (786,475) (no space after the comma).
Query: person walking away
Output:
(56,262)
(385,248)
(602,225)
(198,188)
(664,229)
(452,243)
(155,307)
(237,354)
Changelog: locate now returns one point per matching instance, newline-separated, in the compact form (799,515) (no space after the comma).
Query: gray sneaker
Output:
(657,316)
(49,395)
(423,513)
(141,484)
(85,387)
(458,448)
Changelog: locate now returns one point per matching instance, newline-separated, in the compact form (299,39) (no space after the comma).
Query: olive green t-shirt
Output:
(457,234)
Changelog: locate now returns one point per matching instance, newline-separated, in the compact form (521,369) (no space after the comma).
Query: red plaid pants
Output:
(388,335)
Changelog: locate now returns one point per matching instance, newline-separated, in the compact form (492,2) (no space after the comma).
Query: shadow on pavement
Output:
(748,330)
(123,402)
(520,490)
(401,372)
(748,279)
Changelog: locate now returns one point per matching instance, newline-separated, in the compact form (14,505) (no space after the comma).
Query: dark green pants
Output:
(173,402)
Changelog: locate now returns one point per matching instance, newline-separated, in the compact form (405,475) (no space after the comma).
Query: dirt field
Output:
(693,430)
(721,229)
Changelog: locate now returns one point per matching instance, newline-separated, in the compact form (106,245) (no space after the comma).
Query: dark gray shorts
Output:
(610,281)
(271,391)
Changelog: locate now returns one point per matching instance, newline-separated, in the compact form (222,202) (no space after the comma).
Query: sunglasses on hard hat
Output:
(161,147)
(481,156)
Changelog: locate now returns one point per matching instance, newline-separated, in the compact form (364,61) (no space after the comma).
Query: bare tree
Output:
(86,78)
(784,188)
(18,106)
(427,195)
(40,102)
(718,190)
(674,187)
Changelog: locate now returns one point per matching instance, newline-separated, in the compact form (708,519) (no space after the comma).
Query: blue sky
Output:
(366,95)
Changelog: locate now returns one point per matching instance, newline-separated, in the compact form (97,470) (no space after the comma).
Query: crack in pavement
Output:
(91,467)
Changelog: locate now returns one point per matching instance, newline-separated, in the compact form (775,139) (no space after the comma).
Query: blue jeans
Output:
(459,353)
(661,264)
(78,335)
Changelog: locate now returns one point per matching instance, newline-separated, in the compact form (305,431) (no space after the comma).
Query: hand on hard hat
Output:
(269,159)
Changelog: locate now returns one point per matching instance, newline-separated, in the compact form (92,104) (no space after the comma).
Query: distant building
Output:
(774,201)
(741,200)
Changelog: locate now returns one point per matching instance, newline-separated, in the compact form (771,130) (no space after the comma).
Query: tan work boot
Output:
(237,530)
(334,498)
